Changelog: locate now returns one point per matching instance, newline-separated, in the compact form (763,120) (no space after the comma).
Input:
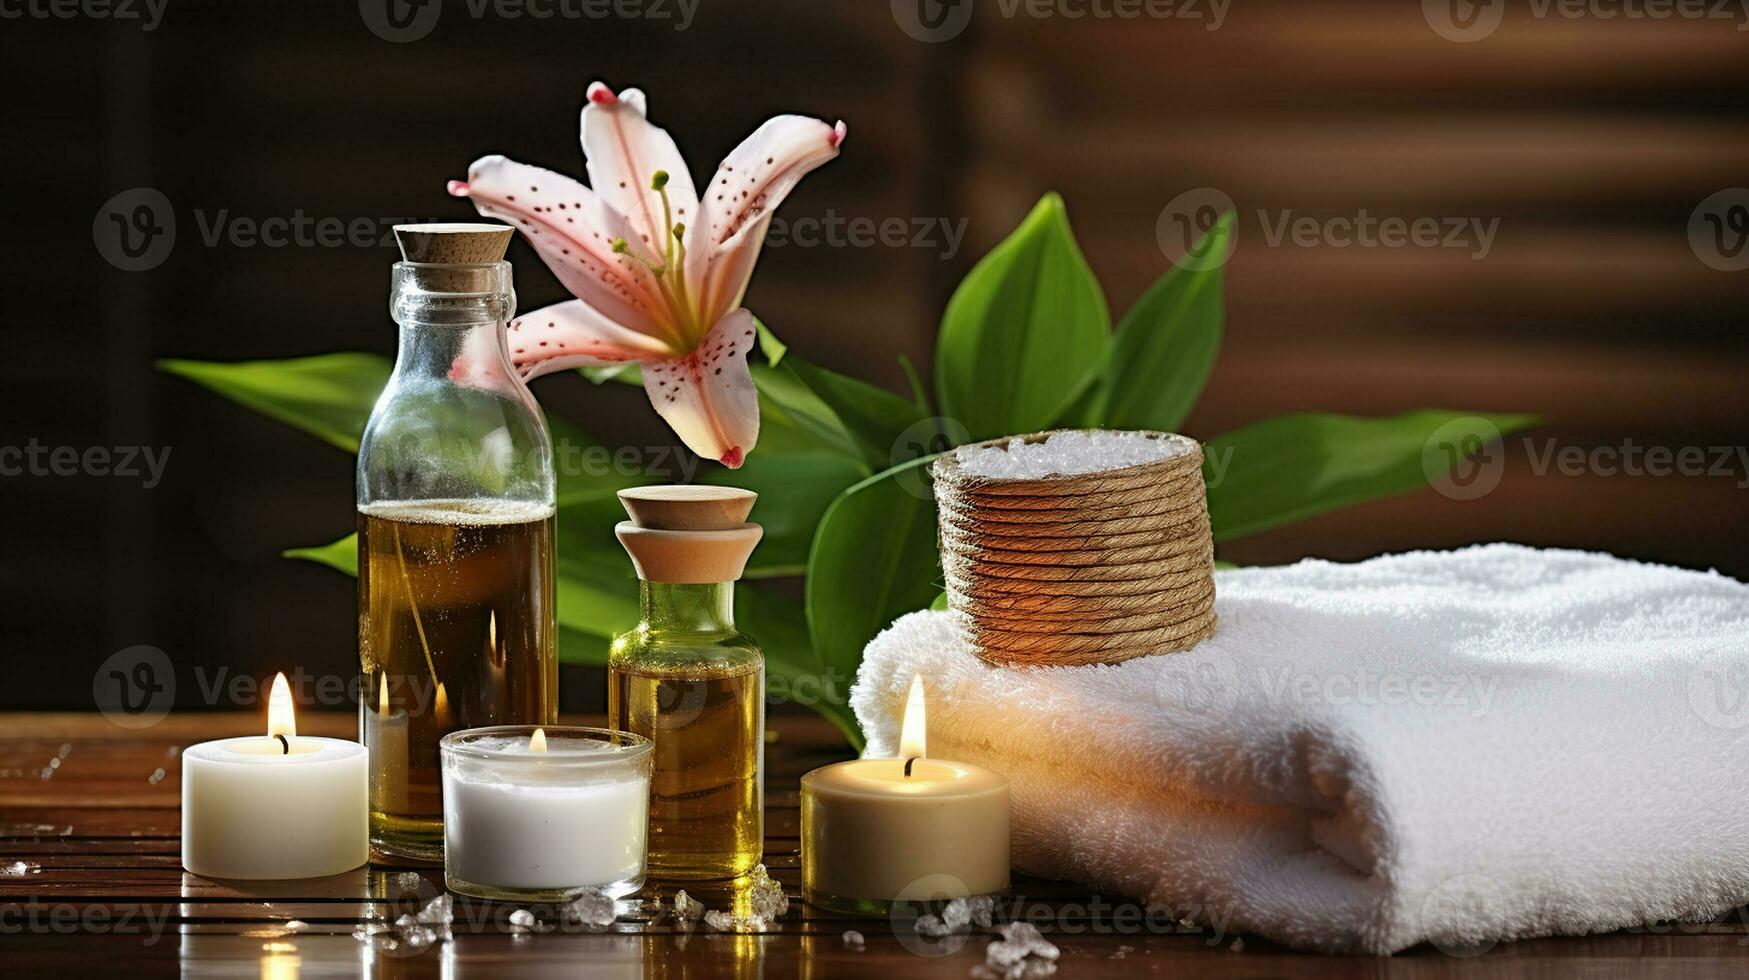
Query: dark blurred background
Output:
(1599,144)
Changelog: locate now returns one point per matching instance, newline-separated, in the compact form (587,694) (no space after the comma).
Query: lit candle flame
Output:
(383,696)
(279,710)
(440,706)
(538,741)
(912,734)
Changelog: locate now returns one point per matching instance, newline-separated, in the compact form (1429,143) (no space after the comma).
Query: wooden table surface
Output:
(91,883)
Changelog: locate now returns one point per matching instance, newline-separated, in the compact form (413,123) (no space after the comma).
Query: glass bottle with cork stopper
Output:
(456,492)
(693,684)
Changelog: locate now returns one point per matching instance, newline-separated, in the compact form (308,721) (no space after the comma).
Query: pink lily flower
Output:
(658,270)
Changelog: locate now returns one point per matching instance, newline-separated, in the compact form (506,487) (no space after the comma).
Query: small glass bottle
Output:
(692,683)
(455,533)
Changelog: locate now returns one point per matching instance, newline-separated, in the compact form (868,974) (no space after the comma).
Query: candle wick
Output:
(285,749)
(908,764)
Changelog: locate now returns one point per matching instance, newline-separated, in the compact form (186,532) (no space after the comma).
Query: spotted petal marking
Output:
(624,152)
(708,396)
(573,231)
(571,335)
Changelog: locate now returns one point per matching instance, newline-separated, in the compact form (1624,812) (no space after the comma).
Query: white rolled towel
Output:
(1457,747)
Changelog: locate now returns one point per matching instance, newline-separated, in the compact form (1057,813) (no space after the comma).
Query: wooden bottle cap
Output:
(454,244)
(690,507)
(688,534)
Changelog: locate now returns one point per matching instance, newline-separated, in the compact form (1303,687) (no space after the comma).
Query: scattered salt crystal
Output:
(438,911)
(766,895)
(1069,454)
(932,926)
(853,940)
(1239,945)
(1123,951)
(521,920)
(294,924)
(406,923)
(156,777)
(687,909)
(592,910)
(982,907)
(1021,952)
(1027,936)
(19,869)
(724,922)
(956,915)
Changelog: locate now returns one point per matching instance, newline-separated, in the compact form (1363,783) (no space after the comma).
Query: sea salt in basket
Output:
(1077,547)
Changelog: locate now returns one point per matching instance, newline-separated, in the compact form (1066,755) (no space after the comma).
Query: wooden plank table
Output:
(91,883)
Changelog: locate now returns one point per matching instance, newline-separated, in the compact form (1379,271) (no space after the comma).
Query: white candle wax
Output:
(570,811)
(250,809)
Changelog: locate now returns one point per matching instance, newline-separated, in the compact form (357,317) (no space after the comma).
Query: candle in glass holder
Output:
(531,813)
(879,831)
(278,805)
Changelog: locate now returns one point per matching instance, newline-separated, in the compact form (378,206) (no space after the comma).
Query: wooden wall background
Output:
(1591,141)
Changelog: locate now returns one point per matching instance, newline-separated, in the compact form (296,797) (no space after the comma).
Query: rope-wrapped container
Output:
(1077,547)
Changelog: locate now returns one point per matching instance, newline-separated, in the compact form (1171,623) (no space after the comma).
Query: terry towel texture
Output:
(1492,743)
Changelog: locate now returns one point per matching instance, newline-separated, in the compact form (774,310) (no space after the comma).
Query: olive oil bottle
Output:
(692,683)
(456,488)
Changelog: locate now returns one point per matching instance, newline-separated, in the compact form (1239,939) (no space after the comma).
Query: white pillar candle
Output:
(529,813)
(878,831)
(278,805)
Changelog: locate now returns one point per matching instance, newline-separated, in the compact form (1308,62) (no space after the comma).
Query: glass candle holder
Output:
(530,814)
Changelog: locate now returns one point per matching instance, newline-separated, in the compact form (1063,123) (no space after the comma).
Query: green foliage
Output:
(1025,333)
(1025,344)
(1289,468)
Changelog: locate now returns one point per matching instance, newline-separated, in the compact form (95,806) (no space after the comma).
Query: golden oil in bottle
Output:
(454,607)
(692,683)
(455,496)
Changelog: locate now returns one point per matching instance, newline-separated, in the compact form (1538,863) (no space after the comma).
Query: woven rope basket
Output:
(1078,568)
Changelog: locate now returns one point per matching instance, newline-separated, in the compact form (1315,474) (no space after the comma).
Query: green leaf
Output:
(1025,333)
(1290,468)
(329,396)
(769,345)
(342,555)
(876,418)
(794,421)
(794,492)
(874,559)
(1165,347)
(625,372)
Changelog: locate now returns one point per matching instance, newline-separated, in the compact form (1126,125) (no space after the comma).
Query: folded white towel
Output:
(1460,747)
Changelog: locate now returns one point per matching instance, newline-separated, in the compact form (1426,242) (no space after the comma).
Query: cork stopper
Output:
(454,244)
(688,534)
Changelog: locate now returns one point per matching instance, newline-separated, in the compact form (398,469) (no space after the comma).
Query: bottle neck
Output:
(674,607)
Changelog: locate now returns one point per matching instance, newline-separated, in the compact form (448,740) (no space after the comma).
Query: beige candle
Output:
(876,831)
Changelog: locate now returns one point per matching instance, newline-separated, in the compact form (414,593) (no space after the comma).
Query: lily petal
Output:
(571,335)
(748,187)
(573,230)
(624,151)
(707,397)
